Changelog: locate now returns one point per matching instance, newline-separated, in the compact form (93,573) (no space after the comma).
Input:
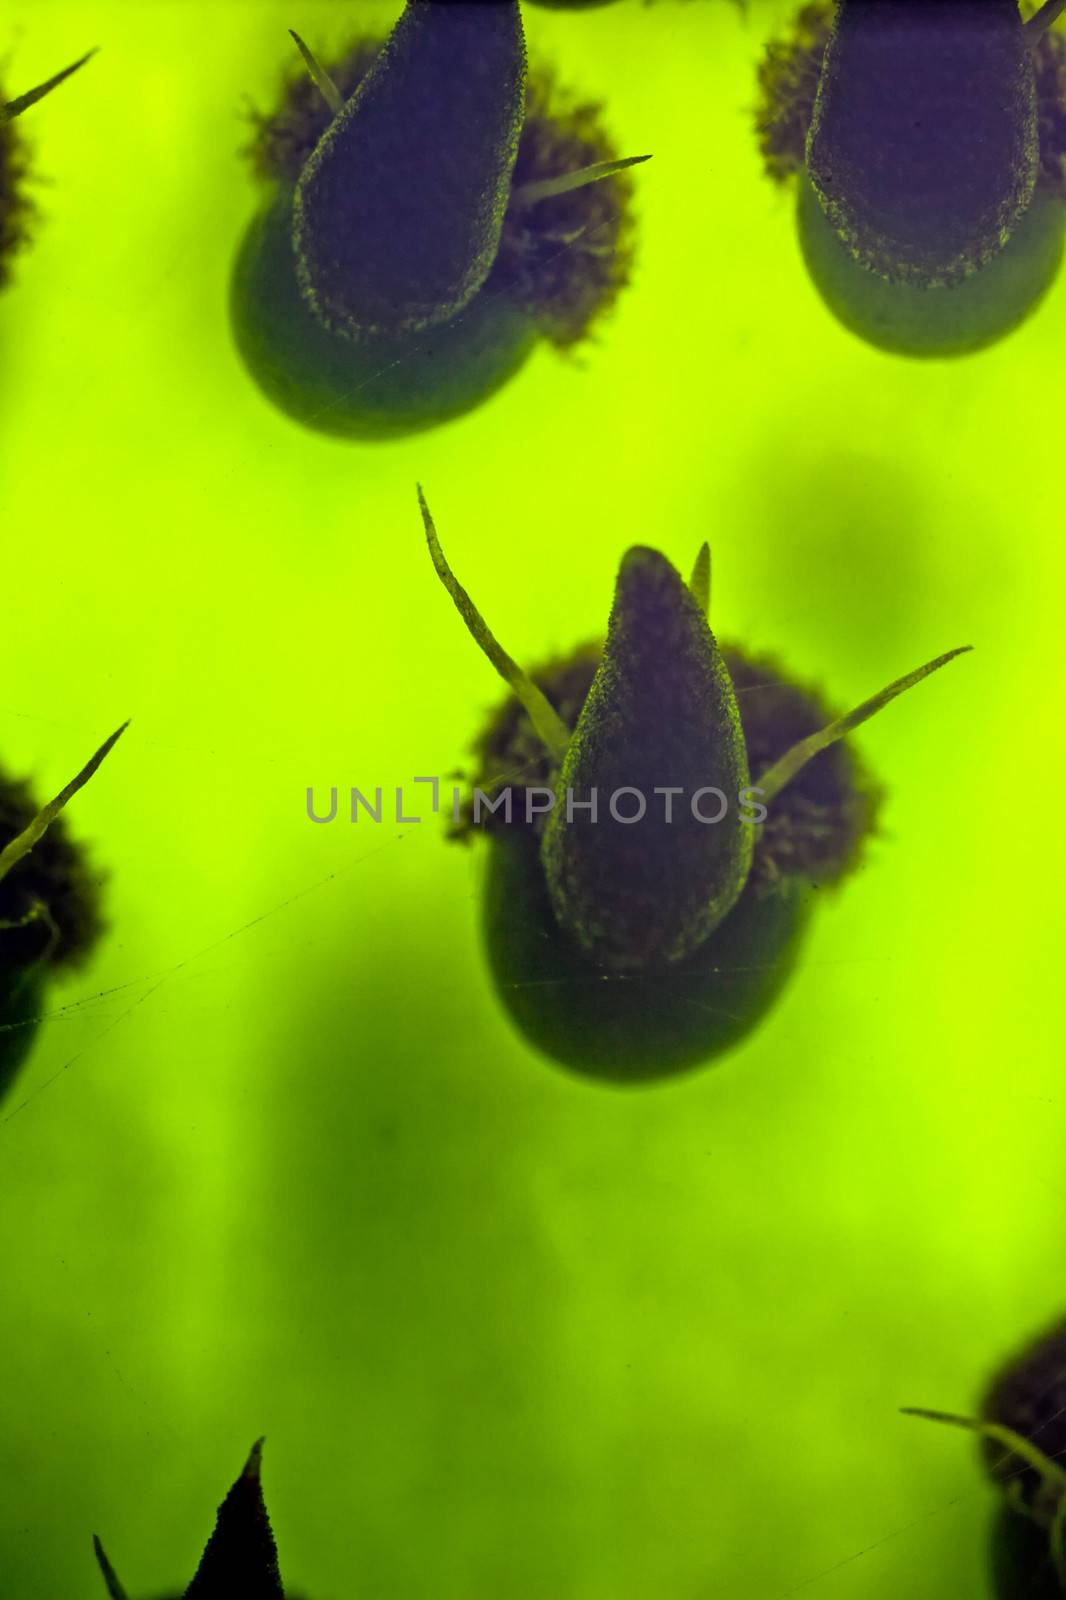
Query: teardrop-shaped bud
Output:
(241,1557)
(634,1027)
(378,387)
(398,212)
(951,319)
(924,146)
(634,889)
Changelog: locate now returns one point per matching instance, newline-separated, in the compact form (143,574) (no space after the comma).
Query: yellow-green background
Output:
(278,1163)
